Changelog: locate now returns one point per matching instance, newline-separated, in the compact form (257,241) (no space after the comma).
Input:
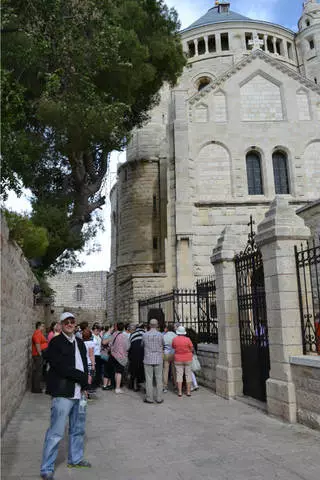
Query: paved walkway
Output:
(199,438)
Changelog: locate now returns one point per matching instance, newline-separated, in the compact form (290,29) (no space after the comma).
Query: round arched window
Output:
(203,82)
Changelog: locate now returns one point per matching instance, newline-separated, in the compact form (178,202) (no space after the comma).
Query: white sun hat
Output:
(181,330)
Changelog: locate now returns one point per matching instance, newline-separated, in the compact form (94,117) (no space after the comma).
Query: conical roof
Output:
(215,16)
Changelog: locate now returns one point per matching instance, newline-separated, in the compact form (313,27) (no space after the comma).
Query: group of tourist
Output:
(78,360)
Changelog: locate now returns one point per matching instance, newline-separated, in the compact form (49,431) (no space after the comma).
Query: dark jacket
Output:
(63,375)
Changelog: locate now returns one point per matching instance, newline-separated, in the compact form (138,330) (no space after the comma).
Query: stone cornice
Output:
(246,61)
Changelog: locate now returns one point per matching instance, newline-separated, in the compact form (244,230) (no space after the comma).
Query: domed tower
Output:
(221,38)
(308,40)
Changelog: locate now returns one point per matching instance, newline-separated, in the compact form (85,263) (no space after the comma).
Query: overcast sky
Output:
(283,12)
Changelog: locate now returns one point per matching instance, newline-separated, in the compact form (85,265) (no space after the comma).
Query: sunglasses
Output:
(69,321)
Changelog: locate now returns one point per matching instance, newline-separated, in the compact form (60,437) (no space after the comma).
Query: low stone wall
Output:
(306,377)
(208,358)
(18,319)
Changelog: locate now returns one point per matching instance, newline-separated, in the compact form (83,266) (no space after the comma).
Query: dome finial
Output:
(223,6)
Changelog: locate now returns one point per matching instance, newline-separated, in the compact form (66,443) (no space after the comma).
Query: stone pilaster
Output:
(277,234)
(229,371)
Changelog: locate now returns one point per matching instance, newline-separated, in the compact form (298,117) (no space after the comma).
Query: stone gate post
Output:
(229,371)
(277,234)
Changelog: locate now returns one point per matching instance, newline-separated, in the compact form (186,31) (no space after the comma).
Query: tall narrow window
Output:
(289,47)
(212,43)
(201,46)
(79,292)
(280,172)
(224,41)
(254,175)
(154,204)
(191,49)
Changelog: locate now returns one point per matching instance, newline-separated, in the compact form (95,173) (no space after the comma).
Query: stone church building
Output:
(241,126)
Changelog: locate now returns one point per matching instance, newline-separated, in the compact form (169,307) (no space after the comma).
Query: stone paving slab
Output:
(200,438)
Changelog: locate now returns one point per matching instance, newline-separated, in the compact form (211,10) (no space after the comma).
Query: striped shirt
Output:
(137,335)
(153,347)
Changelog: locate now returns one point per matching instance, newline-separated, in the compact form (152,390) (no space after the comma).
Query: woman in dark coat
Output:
(135,356)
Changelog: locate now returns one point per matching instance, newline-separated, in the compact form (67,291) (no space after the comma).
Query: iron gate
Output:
(252,319)
(192,308)
(308,276)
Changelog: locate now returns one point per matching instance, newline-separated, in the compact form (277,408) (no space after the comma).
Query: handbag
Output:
(195,365)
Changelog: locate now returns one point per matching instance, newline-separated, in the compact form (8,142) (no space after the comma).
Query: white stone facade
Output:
(82,293)
(250,87)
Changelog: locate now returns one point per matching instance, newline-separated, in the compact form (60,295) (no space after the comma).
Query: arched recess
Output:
(213,172)
(311,158)
(303,104)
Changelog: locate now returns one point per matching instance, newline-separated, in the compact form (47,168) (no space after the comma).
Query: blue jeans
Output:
(61,409)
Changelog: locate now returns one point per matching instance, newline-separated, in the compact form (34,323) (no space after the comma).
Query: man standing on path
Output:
(153,361)
(39,343)
(67,383)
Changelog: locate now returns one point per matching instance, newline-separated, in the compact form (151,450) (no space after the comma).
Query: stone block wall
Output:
(18,319)
(306,377)
(90,305)
(208,358)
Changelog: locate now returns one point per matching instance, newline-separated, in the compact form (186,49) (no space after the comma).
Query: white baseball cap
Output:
(66,315)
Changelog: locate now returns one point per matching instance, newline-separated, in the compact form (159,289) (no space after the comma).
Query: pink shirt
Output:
(119,345)
(50,336)
(182,349)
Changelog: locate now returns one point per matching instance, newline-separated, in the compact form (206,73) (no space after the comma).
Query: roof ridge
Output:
(245,61)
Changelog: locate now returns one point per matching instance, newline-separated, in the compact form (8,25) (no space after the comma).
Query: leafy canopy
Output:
(78,76)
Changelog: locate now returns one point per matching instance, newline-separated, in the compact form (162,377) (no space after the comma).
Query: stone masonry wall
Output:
(18,319)
(91,305)
(307,383)
(208,358)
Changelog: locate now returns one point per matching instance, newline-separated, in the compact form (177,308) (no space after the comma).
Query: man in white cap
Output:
(67,383)
(153,360)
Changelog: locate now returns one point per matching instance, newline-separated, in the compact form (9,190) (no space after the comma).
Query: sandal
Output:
(179,394)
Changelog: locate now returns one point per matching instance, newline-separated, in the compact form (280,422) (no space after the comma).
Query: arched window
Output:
(203,82)
(254,175)
(79,292)
(280,172)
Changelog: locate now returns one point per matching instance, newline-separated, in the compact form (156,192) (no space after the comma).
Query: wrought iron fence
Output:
(308,275)
(192,308)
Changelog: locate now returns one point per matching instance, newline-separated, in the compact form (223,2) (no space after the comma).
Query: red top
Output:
(38,337)
(182,349)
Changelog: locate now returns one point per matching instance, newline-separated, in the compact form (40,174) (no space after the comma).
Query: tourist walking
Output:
(135,355)
(192,334)
(67,383)
(39,344)
(90,346)
(183,349)
(105,356)
(119,347)
(168,356)
(153,361)
(55,329)
(96,329)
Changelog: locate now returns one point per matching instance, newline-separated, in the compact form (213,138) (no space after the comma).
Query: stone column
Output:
(196,47)
(218,43)
(274,40)
(229,371)
(206,42)
(277,235)
(265,39)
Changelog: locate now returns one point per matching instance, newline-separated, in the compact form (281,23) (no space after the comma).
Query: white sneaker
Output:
(118,390)
(165,390)
(193,389)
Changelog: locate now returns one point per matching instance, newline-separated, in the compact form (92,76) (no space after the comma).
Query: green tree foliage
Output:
(31,239)
(79,75)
